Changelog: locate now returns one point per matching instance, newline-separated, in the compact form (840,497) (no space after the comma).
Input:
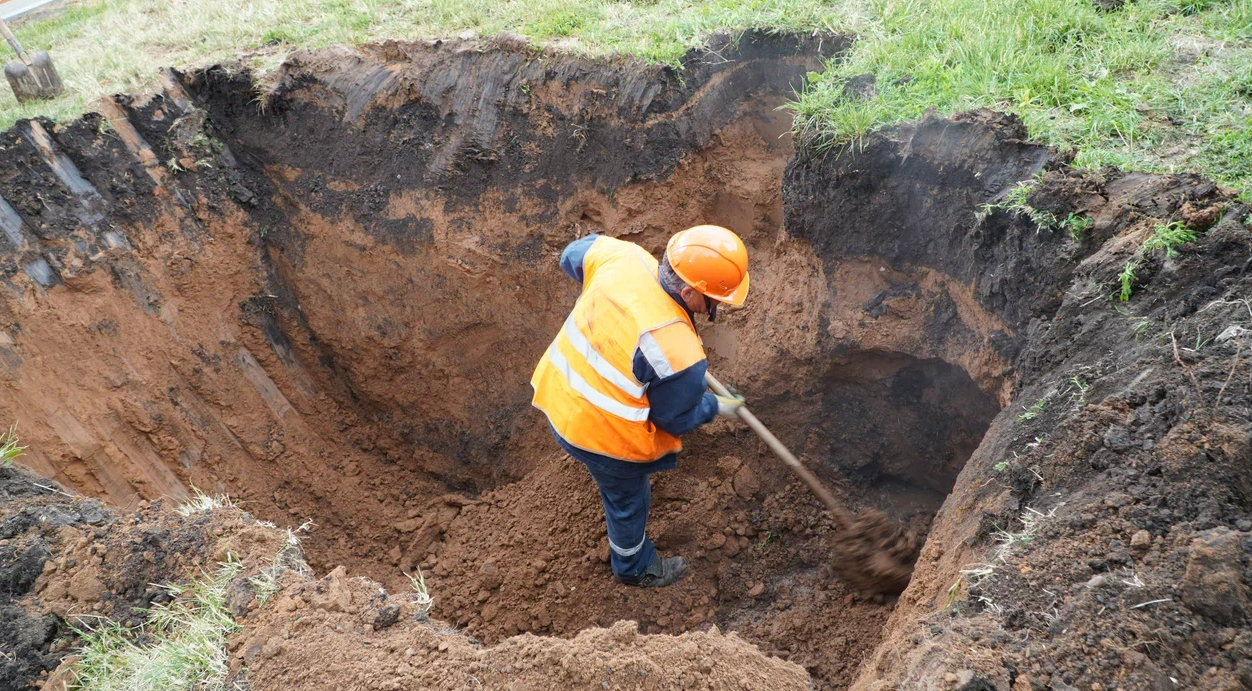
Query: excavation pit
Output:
(328,303)
(324,294)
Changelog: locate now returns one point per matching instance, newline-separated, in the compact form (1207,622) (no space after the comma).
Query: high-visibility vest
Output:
(585,381)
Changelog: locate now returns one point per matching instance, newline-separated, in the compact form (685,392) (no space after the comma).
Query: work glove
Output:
(729,407)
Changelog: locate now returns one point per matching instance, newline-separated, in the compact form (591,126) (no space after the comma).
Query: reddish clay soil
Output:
(327,302)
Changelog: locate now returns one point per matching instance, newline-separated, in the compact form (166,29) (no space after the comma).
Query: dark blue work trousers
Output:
(626,502)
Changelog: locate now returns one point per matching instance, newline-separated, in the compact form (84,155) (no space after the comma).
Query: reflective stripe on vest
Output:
(655,356)
(585,382)
(602,367)
(589,392)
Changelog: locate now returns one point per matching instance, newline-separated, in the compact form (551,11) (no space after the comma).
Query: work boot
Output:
(660,573)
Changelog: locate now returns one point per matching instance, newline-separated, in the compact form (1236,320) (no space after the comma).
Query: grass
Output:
(1165,237)
(1031,521)
(1080,387)
(9,449)
(265,584)
(765,542)
(975,576)
(1016,201)
(1033,411)
(182,646)
(1127,279)
(1160,85)
(203,502)
(421,594)
(1076,225)
(1168,237)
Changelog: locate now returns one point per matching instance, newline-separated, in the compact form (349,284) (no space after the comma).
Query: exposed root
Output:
(1233,366)
(1187,370)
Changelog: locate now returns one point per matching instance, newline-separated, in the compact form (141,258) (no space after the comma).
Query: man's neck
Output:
(681,303)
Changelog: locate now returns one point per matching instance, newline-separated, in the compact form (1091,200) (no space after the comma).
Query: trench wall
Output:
(1116,489)
(327,301)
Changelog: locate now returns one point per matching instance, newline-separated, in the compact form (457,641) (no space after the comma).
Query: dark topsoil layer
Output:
(1102,543)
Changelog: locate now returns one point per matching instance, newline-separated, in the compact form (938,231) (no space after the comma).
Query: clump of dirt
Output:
(874,553)
(66,560)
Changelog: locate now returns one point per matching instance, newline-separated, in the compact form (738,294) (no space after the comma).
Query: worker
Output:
(624,378)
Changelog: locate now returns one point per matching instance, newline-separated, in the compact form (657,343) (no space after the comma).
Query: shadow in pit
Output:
(890,429)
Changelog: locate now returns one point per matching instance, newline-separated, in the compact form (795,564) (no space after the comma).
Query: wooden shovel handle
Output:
(12,40)
(841,514)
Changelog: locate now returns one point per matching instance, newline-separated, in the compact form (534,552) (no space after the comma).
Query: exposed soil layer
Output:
(1099,536)
(325,295)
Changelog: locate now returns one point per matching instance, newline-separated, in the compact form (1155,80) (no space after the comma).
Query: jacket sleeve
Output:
(679,402)
(572,256)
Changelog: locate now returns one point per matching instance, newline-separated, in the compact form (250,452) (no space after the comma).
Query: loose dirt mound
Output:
(328,635)
(68,560)
(532,556)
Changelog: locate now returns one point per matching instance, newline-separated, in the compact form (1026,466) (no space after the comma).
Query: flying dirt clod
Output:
(875,554)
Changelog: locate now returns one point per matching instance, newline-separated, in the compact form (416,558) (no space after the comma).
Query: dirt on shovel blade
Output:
(875,554)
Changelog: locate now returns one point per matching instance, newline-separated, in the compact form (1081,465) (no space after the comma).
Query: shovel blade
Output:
(37,81)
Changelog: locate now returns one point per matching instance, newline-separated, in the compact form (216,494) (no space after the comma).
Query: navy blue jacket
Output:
(678,403)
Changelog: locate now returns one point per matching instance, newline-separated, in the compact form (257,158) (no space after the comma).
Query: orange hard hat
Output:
(712,260)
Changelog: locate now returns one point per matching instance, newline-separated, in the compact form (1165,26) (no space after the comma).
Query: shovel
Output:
(32,76)
(876,553)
